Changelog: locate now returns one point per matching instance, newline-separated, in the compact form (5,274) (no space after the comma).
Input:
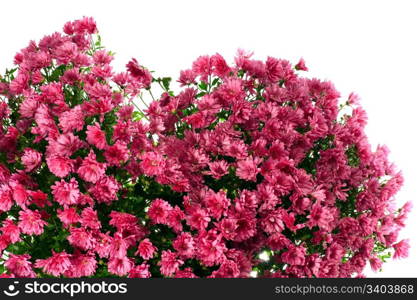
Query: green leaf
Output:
(352,156)
(201,94)
(58,72)
(166,82)
(98,42)
(215,81)
(137,115)
(203,86)
(241,73)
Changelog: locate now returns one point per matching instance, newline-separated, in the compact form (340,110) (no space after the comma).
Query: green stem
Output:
(150,92)
(143,101)
(144,115)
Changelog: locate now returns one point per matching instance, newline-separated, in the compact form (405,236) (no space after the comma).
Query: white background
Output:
(368,47)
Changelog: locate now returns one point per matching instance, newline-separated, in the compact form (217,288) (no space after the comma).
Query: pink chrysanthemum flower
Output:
(105,189)
(146,249)
(66,193)
(184,244)
(55,265)
(295,255)
(82,265)
(401,249)
(375,263)
(30,222)
(89,218)
(320,216)
(60,166)
(91,170)
(248,169)
(20,265)
(120,266)
(68,216)
(31,159)
(159,210)
(81,238)
(11,230)
(152,163)
(96,137)
(72,120)
(140,271)
(218,168)
(301,65)
(117,154)
(169,263)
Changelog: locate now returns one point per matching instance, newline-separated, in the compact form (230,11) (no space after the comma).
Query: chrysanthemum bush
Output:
(249,170)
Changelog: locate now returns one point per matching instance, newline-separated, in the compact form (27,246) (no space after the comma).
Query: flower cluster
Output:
(69,149)
(249,170)
(276,176)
